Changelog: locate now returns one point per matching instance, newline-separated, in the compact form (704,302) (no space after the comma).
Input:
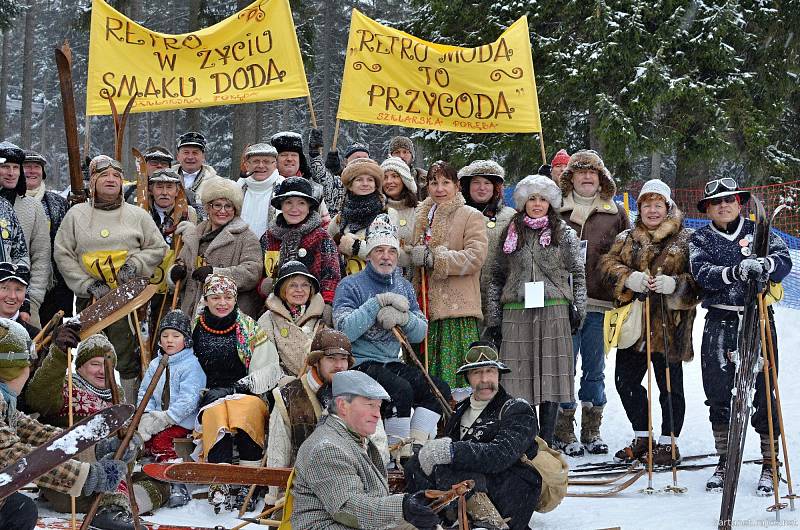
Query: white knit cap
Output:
(658,187)
(399,166)
(537,185)
(381,232)
(260,149)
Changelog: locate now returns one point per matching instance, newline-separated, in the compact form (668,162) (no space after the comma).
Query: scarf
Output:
(11,405)
(247,333)
(295,311)
(9,194)
(38,193)
(102,393)
(545,237)
(105,205)
(488,209)
(583,207)
(358,211)
(257,197)
(290,236)
(475,409)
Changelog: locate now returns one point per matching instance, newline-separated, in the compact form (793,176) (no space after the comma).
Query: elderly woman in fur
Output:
(652,259)
(537,247)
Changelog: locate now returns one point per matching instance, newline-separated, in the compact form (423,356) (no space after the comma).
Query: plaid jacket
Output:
(25,437)
(340,483)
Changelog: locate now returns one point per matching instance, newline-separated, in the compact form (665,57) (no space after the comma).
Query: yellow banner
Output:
(250,56)
(393,78)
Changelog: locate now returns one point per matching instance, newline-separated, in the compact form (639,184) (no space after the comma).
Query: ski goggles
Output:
(480,353)
(726,183)
(106,163)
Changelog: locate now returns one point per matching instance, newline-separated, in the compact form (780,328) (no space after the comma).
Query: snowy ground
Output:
(696,509)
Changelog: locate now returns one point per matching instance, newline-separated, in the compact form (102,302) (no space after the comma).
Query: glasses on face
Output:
(299,286)
(719,200)
(477,353)
(104,164)
(220,206)
(727,183)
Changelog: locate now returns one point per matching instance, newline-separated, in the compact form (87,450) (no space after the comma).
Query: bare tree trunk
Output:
(4,81)
(594,141)
(329,52)
(243,125)
(193,115)
(655,164)
(26,123)
(131,138)
(167,133)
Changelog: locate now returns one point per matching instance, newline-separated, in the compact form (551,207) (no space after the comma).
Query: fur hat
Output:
(588,159)
(219,284)
(294,187)
(159,153)
(381,231)
(260,149)
(402,142)
(561,158)
(95,346)
(658,187)
(14,155)
(16,349)
(293,268)
(327,342)
(362,166)
(399,166)
(36,158)
(536,185)
(177,320)
(99,164)
(356,147)
(223,188)
(165,175)
(192,139)
(481,168)
(292,142)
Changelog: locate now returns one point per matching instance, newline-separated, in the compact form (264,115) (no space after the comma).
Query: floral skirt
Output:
(448,342)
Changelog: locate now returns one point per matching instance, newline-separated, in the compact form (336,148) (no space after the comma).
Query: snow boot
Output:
(636,450)
(241,495)
(178,496)
(564,439)
(591,417)
(716,481)
(662,455)
(484,514)
(219,496)
(765,488)
(548,412)
(112,517)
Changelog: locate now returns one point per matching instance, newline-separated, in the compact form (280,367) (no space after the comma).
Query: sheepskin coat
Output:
(290,339)
(667,248)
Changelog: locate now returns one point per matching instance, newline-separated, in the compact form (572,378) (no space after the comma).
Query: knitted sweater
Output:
(186,381)
(355,309)
(35,224)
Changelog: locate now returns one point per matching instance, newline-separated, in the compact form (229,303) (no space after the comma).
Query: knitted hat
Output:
(15,155)
(658,187)
(260,149)
(159,153)
(399,166)
(99,164)
(223,188)
(192,139)
(288,141)
(219,284)
(561,158)
(356,147)
(165,175)
(329,342)
(588,159)
(537,185)
(36,158)
(481,354)
(293,268)
(488,169)
(16,349)
(95,346)
(381,232)
(9,271)
(177,320)
(402,142)
(362,166)
(294,187)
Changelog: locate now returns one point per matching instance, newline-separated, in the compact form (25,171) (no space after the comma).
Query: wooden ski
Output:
(114,306)
(141,179)
(616,476)
(612,490)
(202,473)
(53,523)
(63,57)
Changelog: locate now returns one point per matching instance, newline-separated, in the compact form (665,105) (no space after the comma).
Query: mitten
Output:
(265,286)
(663,284)
(417,513)
(544,170)
(435,452)
(398,301)
(315,140)
(105,448)
(389,317)
(749,269)
(421,256)
(182,226)
(104,476)
(177,272)
(126,273)
(98,289)
(333,163)
(346,244)
(637,282)
(200,273)
(66,336)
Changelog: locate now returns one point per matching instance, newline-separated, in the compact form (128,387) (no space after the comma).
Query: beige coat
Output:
(291,341)
(459,245)
(493,234)
(36,227)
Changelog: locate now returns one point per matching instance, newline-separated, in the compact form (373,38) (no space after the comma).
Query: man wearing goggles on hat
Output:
(722,261)
(484,441)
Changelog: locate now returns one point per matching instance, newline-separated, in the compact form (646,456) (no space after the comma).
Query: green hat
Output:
(94,346)
(16,349)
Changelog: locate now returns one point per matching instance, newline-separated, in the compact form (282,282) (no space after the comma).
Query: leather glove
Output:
(544,169)
(265,286)
(182,226)
(126,273)
(99,289)
(421,256)
(327,315)
(105,448)
(750,269)
(201,273)
(104,476)
(66,336)
(213,394)
(435,452)
(663,284)
(346,244)
(315,140)
(333,163)
(398,301)
(389,317)
(495,335)
(417,513)
(177,273)
(637,282)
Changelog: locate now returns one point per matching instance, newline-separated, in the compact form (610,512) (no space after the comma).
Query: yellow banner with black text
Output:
(250,56)
(393,78)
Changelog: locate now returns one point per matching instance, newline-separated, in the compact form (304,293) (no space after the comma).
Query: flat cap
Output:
(358,384)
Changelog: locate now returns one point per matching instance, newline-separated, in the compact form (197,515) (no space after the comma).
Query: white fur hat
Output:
(482,168)
(658,187)
(222,188)
(537,185)
(399,166)
(381,232)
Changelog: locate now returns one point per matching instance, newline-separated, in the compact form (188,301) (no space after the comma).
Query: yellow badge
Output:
(3,223)
(104,232)
(284,332)
(5,234)
(403,222)
(606,207)
(491,224)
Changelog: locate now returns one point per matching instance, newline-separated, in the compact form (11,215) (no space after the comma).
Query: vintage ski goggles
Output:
(106,163)
(726,183)
(480,353)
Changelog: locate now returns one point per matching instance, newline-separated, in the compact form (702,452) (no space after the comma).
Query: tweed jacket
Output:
(667,248)
(340,482)
(234,252)
(290,340)
(459,245)
(561,263)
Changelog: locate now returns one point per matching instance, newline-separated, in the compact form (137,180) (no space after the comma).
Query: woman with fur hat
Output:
(363,201)
(297,235)
(239,367)
(652,258)
(294,313)
(401,195)
(538,249)
(221,244)
(449,247)
(105,242)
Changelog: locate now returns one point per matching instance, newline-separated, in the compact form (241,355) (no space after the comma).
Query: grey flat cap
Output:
(357,383)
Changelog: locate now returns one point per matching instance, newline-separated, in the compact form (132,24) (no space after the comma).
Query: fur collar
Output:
(669,227)
(314,309)
(440,225)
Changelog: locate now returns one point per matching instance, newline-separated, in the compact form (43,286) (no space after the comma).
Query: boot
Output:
(662,455)
(548,411)
(483,512)
(716,481)
(564,439)
(241,495)
(765,488)
(636,450)
(178,496)
(112,517)
(219,496)
(591,417)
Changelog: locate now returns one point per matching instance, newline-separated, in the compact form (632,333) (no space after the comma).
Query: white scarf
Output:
(37,194)
(256,207)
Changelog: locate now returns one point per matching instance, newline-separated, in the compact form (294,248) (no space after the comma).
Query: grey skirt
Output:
(537,346)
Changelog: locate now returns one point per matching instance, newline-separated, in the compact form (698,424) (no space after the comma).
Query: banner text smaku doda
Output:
(464,105)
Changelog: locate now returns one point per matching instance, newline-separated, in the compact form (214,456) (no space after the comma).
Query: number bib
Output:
(159,276)
(271,260)
(104,264)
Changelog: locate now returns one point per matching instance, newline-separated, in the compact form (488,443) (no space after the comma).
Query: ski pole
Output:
(649,488)
(675,488)
(447,411)
(424,288)
(774,368)
(70,420)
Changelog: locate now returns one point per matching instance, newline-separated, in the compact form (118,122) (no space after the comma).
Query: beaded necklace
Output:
(217,331)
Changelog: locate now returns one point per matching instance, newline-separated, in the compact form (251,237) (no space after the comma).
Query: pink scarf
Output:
(510,244)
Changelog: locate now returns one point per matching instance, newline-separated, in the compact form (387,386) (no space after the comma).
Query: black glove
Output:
(106,448)
(213,394)
(99,289)
(315,141)
(544,169)
(104,476)
(177,273)
(201,273)
(333,163)
(126,273)
(417,513)
(66,336)
(495,335)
